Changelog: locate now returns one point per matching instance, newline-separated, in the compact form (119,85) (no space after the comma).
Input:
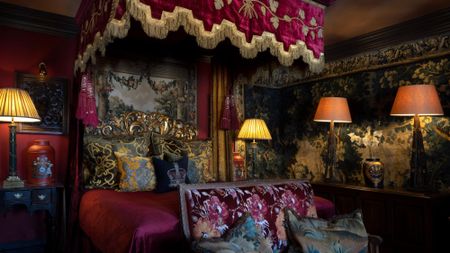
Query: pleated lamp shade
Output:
(16,105)
(413,100)
(333,109)
(254,129)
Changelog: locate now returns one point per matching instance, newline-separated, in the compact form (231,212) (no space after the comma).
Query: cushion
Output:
(244,236)
(160,145)
(100,163)
(340,234)
(200,161)
(170,174)
(136,173)
(211,211)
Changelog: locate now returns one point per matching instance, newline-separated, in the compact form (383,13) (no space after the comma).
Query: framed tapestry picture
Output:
(50,98)
(154,85)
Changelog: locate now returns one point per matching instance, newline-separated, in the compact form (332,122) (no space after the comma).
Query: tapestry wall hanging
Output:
(50,98)
(167,87)
(299,144)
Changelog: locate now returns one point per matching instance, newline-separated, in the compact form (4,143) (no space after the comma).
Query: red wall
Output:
(22,51)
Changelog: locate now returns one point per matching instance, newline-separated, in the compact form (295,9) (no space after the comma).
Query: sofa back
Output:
(209,210)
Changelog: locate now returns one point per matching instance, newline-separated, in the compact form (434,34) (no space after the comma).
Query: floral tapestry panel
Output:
(299,144)
(213,211)
(166,87)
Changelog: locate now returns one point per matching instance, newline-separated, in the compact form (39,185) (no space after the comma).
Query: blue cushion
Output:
(170,174)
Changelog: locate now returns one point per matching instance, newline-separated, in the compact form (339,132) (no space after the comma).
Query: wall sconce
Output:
(42,72)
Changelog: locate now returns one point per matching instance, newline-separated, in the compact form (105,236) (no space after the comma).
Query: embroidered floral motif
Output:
(214,211)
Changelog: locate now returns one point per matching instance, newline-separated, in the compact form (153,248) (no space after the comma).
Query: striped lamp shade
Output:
(254,129)
(16,105)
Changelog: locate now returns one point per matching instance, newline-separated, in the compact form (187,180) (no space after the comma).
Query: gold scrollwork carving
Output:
(137,123)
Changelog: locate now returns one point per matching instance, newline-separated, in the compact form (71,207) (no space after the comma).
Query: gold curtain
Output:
(221,139)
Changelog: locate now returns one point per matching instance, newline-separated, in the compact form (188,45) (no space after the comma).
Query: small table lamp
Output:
(254,129)
(417,100)
(15,106)
(333,110)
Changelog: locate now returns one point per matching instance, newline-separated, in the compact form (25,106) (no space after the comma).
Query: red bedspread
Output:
(132,221)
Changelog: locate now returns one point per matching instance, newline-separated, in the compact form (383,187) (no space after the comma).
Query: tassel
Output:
(87,109)
(235,124)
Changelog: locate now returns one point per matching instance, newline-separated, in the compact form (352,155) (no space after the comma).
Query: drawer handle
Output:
(41,196)
(18,195)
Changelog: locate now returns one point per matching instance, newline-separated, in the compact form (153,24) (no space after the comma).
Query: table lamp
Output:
(417,100)
(15,106)
(333,110)
(254,129)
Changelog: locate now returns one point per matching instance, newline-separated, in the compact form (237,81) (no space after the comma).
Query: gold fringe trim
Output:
(114,29)
(159,28)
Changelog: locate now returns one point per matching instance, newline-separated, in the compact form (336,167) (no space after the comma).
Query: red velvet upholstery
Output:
(325,208)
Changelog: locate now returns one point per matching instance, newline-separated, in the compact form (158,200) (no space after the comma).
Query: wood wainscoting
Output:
(407,221)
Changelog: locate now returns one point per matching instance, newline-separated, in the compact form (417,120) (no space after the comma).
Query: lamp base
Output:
(13,182)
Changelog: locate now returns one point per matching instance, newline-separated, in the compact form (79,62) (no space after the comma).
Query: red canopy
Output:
(290,29)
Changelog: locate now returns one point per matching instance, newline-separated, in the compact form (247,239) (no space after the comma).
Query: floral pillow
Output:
(245,236)
(136,173)
(341,234)
(211,212)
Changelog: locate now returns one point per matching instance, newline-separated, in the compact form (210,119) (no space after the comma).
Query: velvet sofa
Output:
(210,211)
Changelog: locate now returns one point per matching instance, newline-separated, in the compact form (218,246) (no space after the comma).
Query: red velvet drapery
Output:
(290,29)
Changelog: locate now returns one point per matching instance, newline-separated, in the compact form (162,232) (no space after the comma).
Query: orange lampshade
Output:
(254,129)
(16,105)
(333,109)
(413,100)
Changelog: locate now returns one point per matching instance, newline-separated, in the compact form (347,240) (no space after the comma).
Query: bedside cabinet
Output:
(48,198)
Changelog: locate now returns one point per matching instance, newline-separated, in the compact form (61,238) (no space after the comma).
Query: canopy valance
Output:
(290,29)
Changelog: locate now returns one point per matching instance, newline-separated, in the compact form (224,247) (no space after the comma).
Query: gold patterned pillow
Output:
(136,173)
(100,167)
(200,161)
(138,146)
(161,145)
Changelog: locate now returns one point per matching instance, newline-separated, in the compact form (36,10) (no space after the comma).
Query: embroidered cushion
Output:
(200,161)
(210,212)
(170,174)
(100,163)
(244,236)
(136,173)
(160,145)
(340,234)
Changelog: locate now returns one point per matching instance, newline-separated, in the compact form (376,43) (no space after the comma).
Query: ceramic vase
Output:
(238,167)
(373,170)
(40,163)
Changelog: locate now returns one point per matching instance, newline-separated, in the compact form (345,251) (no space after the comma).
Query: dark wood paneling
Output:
(433,24)
(407,221)
(37,21)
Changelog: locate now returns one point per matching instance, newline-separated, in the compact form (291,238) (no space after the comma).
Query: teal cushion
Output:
(245,236)
(341,234)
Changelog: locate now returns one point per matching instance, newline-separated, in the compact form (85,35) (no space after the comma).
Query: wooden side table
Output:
(48,198)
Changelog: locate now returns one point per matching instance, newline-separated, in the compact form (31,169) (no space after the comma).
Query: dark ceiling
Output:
(344,19)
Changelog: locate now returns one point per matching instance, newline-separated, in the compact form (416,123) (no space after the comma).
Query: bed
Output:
(141,221)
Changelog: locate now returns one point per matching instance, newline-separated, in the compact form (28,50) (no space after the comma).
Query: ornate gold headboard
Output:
(135,128)
(138,123)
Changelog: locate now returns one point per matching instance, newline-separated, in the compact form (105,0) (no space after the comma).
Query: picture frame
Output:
(50,98)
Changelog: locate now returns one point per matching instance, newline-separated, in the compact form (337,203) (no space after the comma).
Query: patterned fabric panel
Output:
(136,173)
(211,212)
(243,237)
(341,234)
